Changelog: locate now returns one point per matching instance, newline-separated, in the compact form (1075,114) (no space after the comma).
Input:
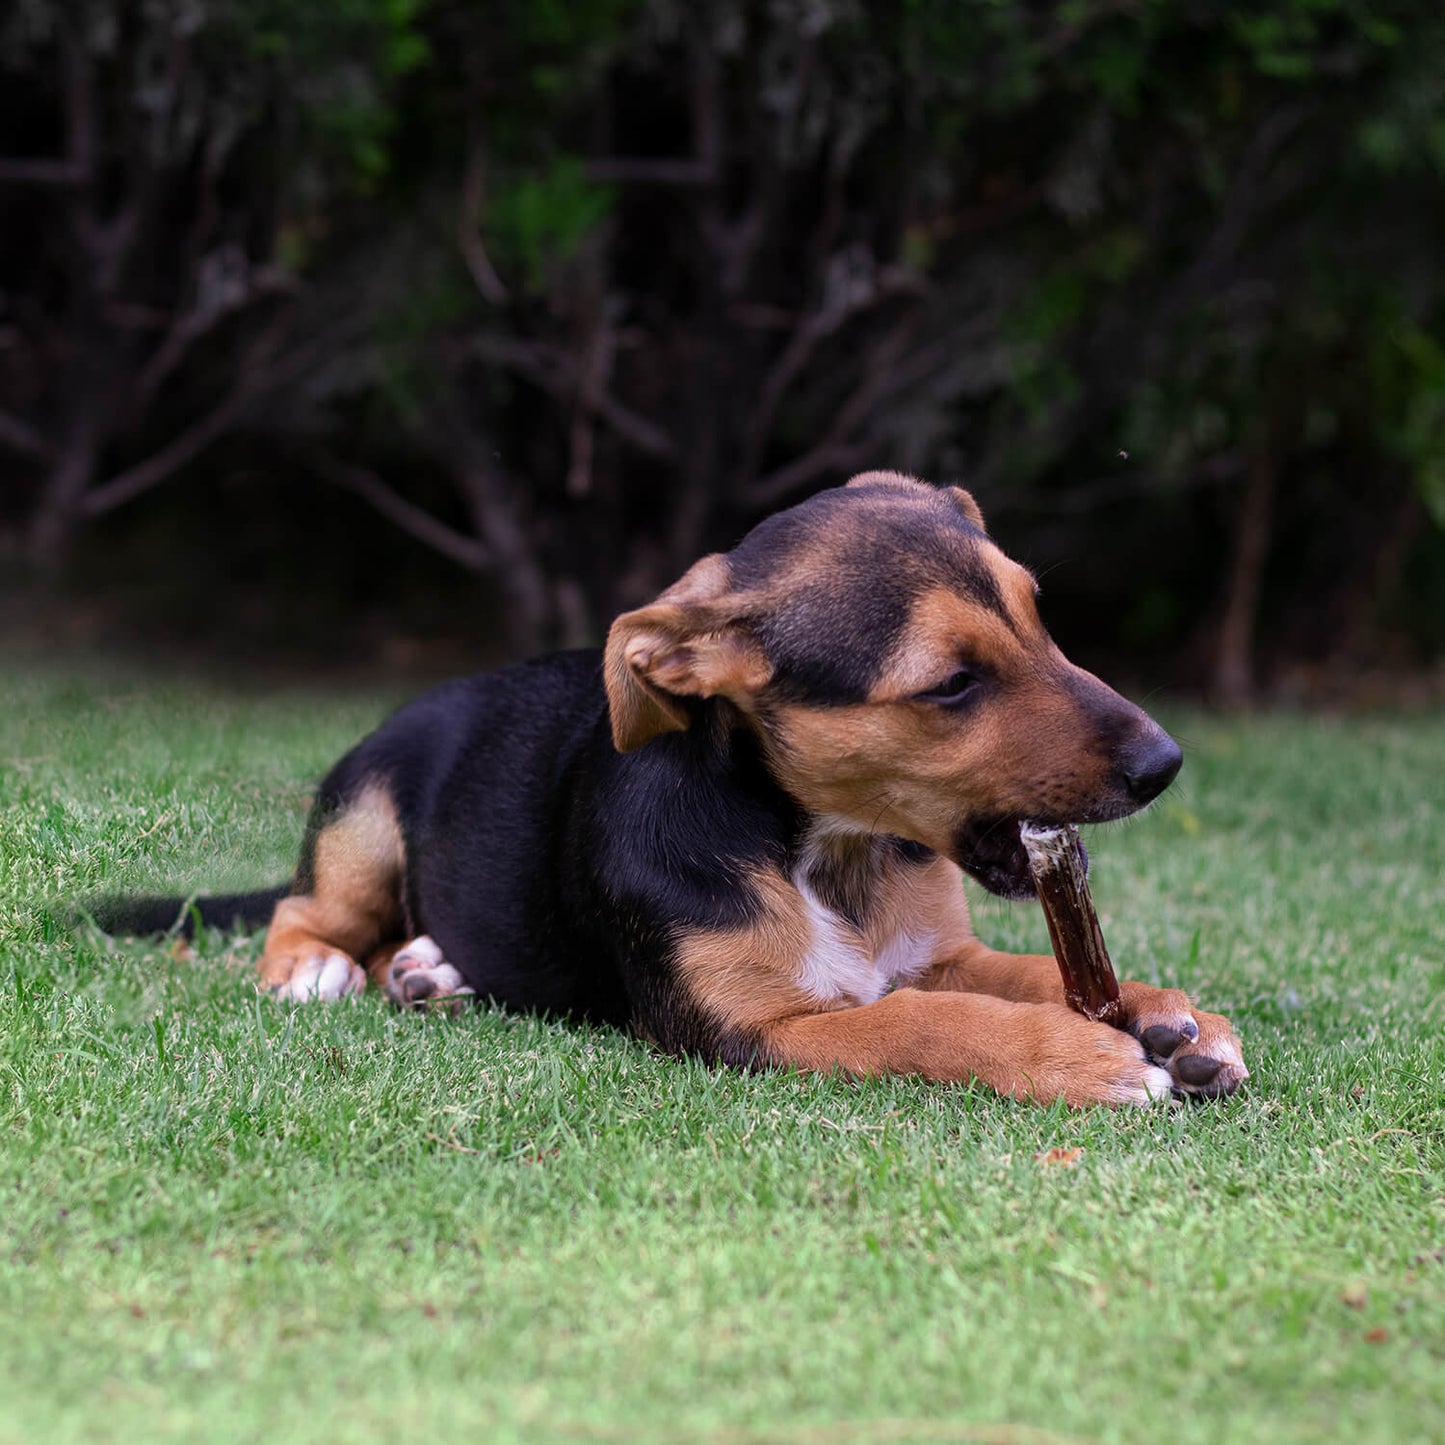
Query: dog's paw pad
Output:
(1211,1066)
(420,976)
(1197,1070)
(1199,1050)
(1161,1040)
(321,977)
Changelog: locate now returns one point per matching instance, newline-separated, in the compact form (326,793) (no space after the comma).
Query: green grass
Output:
(233,1219)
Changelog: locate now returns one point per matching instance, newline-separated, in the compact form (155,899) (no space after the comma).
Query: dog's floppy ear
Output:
(693,642)
(965,503)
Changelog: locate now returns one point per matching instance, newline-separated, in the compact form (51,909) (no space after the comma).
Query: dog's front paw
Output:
(418,976)
(1211,1065)
(1069,1057)
(1200,1050)
(324,975)
(1120,1076)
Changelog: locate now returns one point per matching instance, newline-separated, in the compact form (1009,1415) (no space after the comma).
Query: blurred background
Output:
(410,335)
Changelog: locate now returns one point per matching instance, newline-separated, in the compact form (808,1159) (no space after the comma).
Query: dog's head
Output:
(891,660)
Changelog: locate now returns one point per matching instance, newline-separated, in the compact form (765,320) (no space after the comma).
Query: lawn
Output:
(228,1218)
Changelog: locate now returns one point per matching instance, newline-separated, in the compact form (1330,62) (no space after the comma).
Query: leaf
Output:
(1060,1158)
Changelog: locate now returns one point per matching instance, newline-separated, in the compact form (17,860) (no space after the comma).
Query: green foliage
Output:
(1411,379)
(541,219)
(1183,230)
(337,62)
(566,30)
(383,33)
(327,71)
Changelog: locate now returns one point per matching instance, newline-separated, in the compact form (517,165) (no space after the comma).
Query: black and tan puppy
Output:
(741,830)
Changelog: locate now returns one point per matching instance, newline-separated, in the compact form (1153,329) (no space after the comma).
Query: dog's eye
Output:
(955,690)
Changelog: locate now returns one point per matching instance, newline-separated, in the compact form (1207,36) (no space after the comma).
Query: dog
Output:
(740,830)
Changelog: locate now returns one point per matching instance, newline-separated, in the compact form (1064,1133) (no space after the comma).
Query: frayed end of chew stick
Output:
(1044,841)
(1047,847)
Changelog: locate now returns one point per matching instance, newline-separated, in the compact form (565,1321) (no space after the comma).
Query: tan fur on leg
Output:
(315,939)
(1035,1051)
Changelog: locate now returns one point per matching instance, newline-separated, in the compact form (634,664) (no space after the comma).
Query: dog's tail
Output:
(143,917)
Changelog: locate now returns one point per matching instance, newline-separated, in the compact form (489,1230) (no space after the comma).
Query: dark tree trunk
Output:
(1378,581)
(59,514)
(1234,663)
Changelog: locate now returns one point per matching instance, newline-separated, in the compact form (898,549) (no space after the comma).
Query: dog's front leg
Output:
(1036,1051)
(1200,1050)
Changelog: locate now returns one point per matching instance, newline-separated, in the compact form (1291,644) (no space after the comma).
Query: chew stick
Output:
(1056,859)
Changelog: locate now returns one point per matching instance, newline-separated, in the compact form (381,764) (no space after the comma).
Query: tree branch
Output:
(651,172)
(469,237)
(256,377)
(883,375)
(1240,208)
(597,366)
(846,295)
(22,438)
(15,171)
(217,298)
(1081,498)
(830,455)
(76,84)
(163,464)
(555,372)
(414,520)
(496,503)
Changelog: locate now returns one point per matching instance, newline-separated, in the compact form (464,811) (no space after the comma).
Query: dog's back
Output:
(475,772)
(550,870)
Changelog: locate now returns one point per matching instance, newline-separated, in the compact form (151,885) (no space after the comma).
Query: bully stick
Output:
(1056,858)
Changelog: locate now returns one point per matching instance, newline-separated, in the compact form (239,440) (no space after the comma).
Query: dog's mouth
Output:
(990,850)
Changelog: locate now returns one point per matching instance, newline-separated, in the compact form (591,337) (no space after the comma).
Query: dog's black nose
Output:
(1149,764)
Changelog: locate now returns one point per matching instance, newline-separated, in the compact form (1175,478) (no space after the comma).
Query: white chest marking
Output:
(840,965)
